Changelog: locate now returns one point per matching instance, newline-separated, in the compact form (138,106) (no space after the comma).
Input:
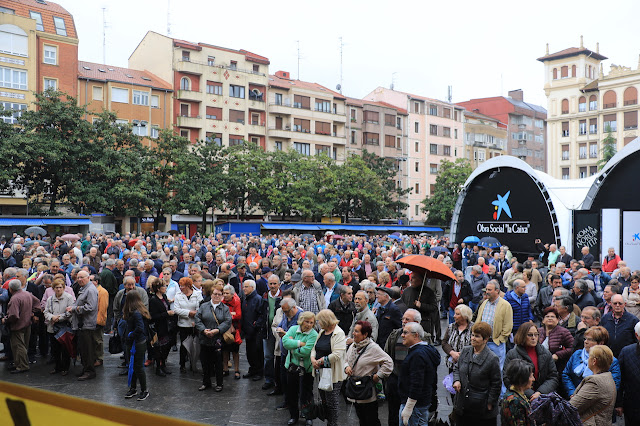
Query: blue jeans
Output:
(419,417)
(451,313)
(473,306)
(268,346)
(501,352)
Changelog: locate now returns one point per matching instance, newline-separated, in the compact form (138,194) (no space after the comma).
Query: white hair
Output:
(250,283)
(417,316)
(415,327)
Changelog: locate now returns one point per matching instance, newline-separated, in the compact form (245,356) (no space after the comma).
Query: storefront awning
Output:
(43,221)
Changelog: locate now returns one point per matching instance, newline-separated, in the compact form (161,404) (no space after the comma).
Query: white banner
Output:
(631,239)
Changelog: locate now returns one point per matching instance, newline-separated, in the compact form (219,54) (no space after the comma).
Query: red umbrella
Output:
(337,237)
(432,268)
(133,242)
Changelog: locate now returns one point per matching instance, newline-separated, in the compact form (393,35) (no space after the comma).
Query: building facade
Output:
(137,97)
(484,138)
(435,130)
(306,117)
(219,93)
(526,125)
(585,105)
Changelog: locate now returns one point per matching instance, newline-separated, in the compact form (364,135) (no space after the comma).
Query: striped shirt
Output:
(489,313)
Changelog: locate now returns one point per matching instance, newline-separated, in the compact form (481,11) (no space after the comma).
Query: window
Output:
(416,126)
(211,60)
(565,129)
(303,102)
(593,103)
(593,150)
(539,123)
(38,17)
(433,149)
(565,106)
(236,91)
(446,150)
(50,83)
(256,68)
(610,123)
(433,129)
(630,120)
(323,106)
(417,189)
(479,155)
(186,56)
(140,98)
(371,139)
(214,88)
(236,116)
(97,93)
(564,72)
(155,132)
(50,55)
(389,120)
(7,10)
(555,73)
(416,107)
(433,109)
(213,113)
(417,166)
(565,173)
(593,170)
(371,117)
(399,123)
(565,152)
(582,173)
(582,151)
(455,133)
(13,40)
(353,115)
(184,133)
(233,65)
(323,149)
(278,145)
(390,141)
(122,122)
(446,112)
(13,78)
(323,128)
(300,125)
(139,128)
(416,210)
(235,140)
(630,96)
(17,111)
(593,126)
(119,95)
(155,101)
(302,148)
(609,100)
(446,132)
(185,83)
(417,148)
(353,137)
(582,128)
(60,27)
(582,104)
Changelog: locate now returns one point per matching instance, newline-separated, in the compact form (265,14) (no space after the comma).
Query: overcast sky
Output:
(480,48)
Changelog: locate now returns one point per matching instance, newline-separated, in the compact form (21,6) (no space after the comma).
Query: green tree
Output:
(451,178)
(313,187)
(11,153)
(358,190)
(609,148)
(391,204)
(200,180)
(240,169)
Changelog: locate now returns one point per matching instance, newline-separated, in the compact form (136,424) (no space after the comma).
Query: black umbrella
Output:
(35,230)
(32,242)
(439,249)
(489,242)
(306,236)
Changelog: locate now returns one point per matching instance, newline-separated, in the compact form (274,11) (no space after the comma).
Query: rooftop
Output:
(100,72)
(572,51)
(363,102)
(47,10)
(284,83)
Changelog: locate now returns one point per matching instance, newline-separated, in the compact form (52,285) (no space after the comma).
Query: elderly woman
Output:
(186,306)
(578,366)
(631,296)
(299,342)
(531,288)
(212,321)
(458,334)
(529,349)
(596,395)
(558,340)
(56,317)
(160,311)
(515,405)
(231,299)
(366,358)
(476,379)
(327,357)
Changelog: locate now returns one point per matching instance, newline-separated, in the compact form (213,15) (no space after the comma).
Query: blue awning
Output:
(347,227)
(65,221)
(43,221)
(292,226)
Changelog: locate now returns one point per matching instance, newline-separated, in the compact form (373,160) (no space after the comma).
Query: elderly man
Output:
(420,297)
(620,324)
(308,293)
(607,294)
(479,281)
(624,277)
(564,256)
(498,313)
(590,318)
(94,259)
(331,290)
(149,271)
(553,256)
(610,261)
(388,315)
(587,257)
(271,302)
(344,308)
(85,316)
(566,316)
(20,311)
(253,327)
(629,392)
(600,279)
(581,294)
(519,302)
(363,313)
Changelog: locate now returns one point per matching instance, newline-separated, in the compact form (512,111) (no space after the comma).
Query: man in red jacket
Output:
(19,314)
(610,261)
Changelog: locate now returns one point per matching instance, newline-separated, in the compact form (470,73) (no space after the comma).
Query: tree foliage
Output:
(609,148)
(451,177)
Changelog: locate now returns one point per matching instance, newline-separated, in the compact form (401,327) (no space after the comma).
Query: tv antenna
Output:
(341,46)
(298,42)
(104,36)
(168,17)
(450,93)
(393,80)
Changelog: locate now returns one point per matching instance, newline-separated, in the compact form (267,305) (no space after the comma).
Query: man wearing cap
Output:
(243,274)
(388,315)
(600,279)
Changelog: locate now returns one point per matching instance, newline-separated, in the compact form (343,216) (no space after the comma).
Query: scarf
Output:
(359,347)
(582,369)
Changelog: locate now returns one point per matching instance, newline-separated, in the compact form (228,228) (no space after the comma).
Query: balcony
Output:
(630,102)
(194,122)
(198,68)
(257,104)
(256,128)
(282,133)
(607,106)
(280,108)
(190,95)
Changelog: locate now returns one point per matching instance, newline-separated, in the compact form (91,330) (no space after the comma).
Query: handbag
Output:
(326,382)
(475,400)
(217,343)
(359,387)
(115,343)
(229,336)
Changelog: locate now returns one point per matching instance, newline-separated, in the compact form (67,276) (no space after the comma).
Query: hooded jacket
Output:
(417,374)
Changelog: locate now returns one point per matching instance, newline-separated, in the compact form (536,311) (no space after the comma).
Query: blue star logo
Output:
(636,237)
(500,205)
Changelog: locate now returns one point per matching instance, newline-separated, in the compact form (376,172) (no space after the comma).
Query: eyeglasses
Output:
(217,294)
(404,332)
(533,334)
(617,303)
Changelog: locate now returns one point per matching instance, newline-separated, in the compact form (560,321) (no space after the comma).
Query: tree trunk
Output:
(204,221)
(52,200)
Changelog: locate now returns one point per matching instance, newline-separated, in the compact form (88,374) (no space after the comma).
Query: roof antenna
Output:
(393,80)
(341,46)
(450,93)
(298,41)
(104,36)
(169,18)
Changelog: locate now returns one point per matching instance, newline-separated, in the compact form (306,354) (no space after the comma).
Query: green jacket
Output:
(291,342)
(108,281)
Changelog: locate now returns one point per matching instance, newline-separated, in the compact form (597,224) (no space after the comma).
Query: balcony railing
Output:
(607,106)
(229,67)
(630,102)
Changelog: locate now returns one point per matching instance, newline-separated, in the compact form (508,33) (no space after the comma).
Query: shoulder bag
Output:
(228,336)
(359,387)
(475,399)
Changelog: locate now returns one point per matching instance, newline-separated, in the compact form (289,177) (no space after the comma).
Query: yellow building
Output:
(484,137)
(306,117)
(583,103)
(219,93)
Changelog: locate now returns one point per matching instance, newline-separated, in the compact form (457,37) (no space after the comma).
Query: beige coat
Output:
(55,306)
(594,398)
(502,320)
(277,319)
(336,358)
(373,361)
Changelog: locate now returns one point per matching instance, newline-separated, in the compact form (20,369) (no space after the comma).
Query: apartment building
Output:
(137,97)
(584,105)
(484,137)
(305,116)
(526,125)
(219,93)
(435,130)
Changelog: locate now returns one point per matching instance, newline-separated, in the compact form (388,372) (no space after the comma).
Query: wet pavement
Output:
(242,402)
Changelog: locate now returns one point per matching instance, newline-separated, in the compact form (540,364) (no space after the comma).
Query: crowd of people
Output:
(338,317)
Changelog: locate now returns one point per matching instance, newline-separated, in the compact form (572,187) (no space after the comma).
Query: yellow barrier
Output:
(26,406)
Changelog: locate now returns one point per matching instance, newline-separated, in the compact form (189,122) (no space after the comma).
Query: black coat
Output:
(481,373)
(344,314)
(159,315)
(465,292)
(428,305)
(253,315)
(418,372)
(547,381)
(389,318)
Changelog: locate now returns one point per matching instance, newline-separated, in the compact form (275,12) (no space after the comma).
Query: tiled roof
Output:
(363,102)
(479,116)
(590,87)
(249,56)
(90,70)
(283,83)
(572,51)
(48,10)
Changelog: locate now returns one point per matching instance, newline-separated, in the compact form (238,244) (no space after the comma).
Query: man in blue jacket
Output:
(519,302)
(417,374)
(620,325)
